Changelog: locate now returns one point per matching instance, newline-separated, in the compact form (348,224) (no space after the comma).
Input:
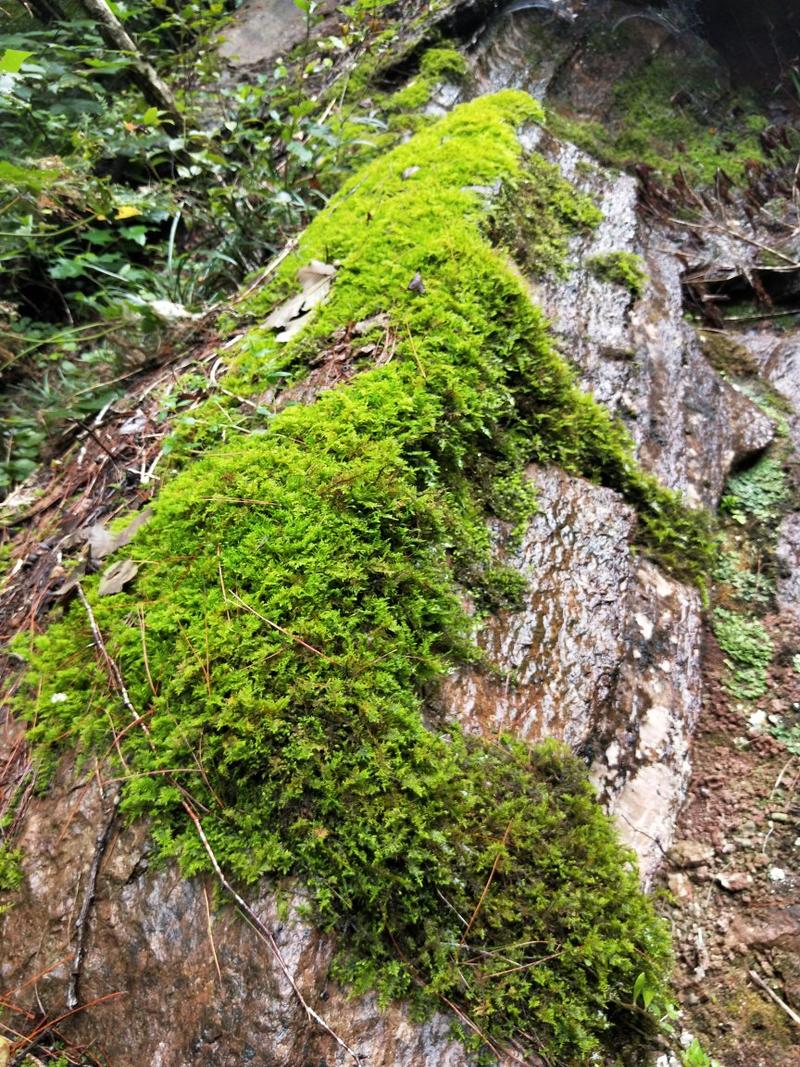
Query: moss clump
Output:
(436,66)
(621,268)
(673,112)
(748,652)
(301,589)
(443,64)
(10,869)
(535,216)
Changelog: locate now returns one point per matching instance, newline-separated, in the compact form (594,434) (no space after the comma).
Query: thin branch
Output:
(211,935)
(489,881)
(110,665)
(81,924)
(759,981)
(32,1040)
(280,629)
(265,934)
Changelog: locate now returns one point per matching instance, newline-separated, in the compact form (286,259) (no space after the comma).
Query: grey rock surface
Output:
(604,654)
(262,30)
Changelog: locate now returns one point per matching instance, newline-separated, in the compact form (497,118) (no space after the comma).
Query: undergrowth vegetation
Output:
(115,223)
(301,591)
(748,651)
(752,506)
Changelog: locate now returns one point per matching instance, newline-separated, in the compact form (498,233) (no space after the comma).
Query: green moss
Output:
(10,869)
(534,216)
(436,66)
(748,652)
(673,113)
(301,591)
(621,268)
(443,64)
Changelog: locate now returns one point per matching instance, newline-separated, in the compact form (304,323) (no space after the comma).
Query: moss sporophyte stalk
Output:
(301,590)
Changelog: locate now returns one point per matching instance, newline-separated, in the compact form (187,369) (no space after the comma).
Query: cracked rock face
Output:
(639,357)
(604,654)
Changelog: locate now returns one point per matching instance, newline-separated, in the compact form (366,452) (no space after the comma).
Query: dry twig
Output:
(88,899)
(759,981)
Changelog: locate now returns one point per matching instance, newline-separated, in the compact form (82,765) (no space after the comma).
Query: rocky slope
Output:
(607,651)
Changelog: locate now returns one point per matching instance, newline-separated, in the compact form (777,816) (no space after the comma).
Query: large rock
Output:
(153,940)
(639,357)
(262,30)
(604,654)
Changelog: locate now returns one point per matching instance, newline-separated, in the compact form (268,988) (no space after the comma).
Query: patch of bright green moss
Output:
(10,869)
(621,268)
(443,64)
(670,114)
(301,590)
(534,217)
(436,66)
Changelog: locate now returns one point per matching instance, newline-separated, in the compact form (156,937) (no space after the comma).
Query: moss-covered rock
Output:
(301,587)
(620,268)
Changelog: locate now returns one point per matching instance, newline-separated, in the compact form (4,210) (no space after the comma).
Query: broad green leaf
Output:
(11,60)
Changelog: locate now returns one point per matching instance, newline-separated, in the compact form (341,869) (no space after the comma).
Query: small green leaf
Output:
(11,60)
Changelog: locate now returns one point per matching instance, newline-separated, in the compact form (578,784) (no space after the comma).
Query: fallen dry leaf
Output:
(117,577)
(289,317)
(102,542)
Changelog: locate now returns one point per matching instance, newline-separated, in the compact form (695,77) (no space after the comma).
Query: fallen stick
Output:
(30,1041)
(81,925)
(265,935)
(759,981)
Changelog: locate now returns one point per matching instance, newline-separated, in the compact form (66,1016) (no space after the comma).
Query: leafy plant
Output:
(696,1056)
(748,652)
(756,493)
(105,213)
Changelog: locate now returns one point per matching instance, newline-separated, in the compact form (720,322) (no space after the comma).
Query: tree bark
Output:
(155,91)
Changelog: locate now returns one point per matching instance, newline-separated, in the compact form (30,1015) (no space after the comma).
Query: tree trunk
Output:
(45,10)
(155,91)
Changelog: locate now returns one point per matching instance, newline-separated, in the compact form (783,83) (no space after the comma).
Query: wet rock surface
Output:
(188,984)
(638,356)
(558,657)
(604,655)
